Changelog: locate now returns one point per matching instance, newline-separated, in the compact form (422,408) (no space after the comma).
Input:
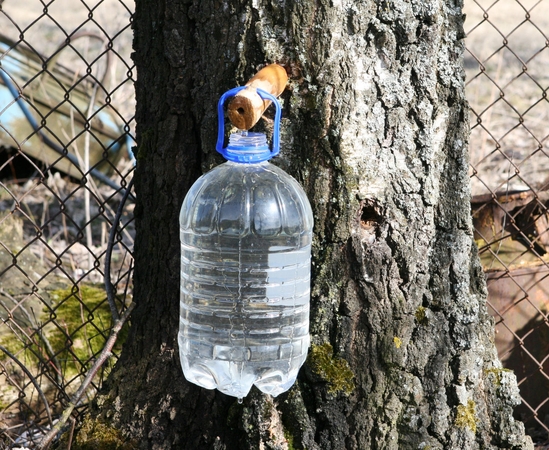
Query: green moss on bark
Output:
(335,371)
(421,316)
(97,435)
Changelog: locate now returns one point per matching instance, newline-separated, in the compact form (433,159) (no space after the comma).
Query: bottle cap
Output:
(246,147)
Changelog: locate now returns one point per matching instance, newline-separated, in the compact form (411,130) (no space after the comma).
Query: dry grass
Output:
(507,81)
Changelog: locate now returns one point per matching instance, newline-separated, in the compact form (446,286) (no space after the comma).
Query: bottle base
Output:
(236,378)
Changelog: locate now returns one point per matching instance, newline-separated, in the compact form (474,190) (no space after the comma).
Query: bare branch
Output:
(108,254)
(31,378)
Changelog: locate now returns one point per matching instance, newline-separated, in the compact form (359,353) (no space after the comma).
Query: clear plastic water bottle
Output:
(246,230)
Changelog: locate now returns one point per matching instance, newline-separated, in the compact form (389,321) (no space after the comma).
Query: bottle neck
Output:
(247,148)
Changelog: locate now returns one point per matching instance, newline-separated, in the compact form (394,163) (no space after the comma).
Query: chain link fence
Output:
(507,82)
(66,121)
(66,130)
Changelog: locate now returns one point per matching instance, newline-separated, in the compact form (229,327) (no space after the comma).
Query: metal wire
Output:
(54,313)
(507,56)
(66,121)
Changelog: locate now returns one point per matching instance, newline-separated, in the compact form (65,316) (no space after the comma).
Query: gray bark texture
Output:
(375,127)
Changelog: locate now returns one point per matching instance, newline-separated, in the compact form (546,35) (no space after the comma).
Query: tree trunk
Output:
(375,127)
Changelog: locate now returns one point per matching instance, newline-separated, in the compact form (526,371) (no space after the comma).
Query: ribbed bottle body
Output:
(246,233)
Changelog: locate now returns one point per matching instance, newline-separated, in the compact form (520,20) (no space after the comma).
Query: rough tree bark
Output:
(375,128)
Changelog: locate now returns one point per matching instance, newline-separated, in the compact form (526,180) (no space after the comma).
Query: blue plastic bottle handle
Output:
(221,120)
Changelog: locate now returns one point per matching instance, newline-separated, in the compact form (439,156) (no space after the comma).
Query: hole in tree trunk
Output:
(369,215)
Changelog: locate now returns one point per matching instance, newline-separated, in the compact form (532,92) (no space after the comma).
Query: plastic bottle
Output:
(246,230)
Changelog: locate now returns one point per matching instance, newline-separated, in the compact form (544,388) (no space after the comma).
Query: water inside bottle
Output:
(244,323)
